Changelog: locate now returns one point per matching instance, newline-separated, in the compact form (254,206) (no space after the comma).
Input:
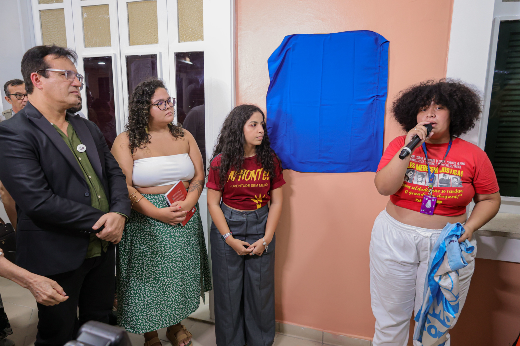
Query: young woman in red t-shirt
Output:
(245,174)
(442,176)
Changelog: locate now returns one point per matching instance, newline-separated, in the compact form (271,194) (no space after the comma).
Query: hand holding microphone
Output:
(420,132)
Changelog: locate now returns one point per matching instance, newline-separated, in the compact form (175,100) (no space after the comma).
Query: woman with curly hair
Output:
(404,233)
(245,174)
(162,266)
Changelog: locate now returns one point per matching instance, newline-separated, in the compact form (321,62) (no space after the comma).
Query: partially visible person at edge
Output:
(45,291)
(247,176)
(16,96)
(9,204)
(195,123)
(70,194)
(402,236)
(5,326)
(163,267)
(76,110)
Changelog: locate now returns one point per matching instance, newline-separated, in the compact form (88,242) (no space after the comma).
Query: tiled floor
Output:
(20,307)
(204,335)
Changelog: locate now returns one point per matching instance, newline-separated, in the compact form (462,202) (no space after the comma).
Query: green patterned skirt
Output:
(162,271)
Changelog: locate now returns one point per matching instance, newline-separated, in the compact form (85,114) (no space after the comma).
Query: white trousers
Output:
(399,255)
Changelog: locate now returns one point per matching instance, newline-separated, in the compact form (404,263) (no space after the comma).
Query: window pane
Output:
(189,79)
(53,27)
(142,22)
(100,95)
(50,1)
(140,68)
(96,26)
(503,133)
(190,20)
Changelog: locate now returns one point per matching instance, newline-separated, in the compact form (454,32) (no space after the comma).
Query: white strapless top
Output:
(162,170)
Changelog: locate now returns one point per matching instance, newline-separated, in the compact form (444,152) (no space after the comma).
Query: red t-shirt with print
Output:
(465,172)
(250,188)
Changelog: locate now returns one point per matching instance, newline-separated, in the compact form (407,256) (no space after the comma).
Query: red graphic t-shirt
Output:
(465,172)
(248,189)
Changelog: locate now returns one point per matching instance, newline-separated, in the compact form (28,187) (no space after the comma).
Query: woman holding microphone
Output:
(405,232)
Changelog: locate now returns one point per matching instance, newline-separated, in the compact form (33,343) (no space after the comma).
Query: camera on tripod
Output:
(99,334)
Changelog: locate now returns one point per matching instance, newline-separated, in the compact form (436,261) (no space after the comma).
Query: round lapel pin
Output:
(81,148)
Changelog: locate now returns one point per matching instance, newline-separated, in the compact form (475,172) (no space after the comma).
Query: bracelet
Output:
(134,198)
(265,244)
(132,195)
(135,202)
(227,235)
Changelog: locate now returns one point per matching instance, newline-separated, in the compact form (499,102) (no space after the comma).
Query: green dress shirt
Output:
(98,199)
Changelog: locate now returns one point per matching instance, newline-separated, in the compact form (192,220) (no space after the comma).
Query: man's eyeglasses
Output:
(69,74)
(18,96)
(162,105)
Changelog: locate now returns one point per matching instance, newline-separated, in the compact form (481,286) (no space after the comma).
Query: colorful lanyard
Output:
(431,176)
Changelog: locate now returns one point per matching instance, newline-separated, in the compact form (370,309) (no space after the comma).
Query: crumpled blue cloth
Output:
(326,101)
(440,304)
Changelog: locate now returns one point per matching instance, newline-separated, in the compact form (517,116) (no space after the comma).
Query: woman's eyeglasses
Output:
(163,104)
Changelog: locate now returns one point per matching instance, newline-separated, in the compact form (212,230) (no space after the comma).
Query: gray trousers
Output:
(243,285)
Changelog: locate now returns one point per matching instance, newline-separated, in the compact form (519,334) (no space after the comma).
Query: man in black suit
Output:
(70,194)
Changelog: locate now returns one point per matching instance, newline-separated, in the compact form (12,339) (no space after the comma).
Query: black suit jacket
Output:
(55,216)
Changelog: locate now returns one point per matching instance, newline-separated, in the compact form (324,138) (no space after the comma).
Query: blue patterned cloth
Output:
(440,305)
(326,101)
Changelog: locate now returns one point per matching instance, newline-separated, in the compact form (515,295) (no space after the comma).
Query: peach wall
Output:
(491,316)
(322,273)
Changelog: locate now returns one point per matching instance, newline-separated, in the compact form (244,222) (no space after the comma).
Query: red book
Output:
(178,193)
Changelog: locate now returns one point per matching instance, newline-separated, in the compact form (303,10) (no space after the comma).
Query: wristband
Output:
(225,236)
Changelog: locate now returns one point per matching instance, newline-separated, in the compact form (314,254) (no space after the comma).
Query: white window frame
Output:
(180,47)
(219,67)
(160,49)
(69,26)
(490,75)
(482,19)
(219,61)
(510,204)
(91,52)
(471,58)
(218,47)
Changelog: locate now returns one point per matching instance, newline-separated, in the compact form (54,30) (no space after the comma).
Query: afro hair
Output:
(463,102)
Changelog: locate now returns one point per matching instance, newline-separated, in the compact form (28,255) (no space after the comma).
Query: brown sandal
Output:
(153,341)
(178,334)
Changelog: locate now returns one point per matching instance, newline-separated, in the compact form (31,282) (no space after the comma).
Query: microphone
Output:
(413,143)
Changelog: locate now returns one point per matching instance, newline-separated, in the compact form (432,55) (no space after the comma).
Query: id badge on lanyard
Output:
(429,201)
(428,204)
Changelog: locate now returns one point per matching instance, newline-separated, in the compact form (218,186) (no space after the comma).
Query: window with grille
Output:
(503,131)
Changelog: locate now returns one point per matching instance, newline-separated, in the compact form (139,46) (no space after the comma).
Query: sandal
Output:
(178,334)
(153,341)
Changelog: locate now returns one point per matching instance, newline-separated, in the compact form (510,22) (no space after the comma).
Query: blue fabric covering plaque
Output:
(326,101)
